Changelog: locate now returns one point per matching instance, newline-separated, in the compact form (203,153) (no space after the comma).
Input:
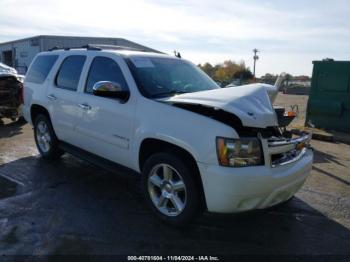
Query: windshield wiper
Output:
(168,93)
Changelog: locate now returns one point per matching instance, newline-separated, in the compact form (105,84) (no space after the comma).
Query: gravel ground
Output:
(72,207)
(291,100)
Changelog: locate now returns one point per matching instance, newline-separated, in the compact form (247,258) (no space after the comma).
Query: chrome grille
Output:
(286,151)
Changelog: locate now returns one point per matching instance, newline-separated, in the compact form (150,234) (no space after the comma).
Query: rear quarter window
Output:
(40,68)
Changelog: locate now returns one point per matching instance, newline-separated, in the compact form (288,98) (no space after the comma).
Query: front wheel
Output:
(170,189)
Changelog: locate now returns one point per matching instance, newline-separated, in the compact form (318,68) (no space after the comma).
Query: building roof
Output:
(59,36)
(122,50)
(74,37)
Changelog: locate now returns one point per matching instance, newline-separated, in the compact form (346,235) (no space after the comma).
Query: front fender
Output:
(193,132)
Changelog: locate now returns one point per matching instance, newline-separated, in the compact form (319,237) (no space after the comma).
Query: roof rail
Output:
(63,48)
(54,48)
(99,47)
(113,47)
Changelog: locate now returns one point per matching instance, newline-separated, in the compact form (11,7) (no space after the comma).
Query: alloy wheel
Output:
(167,190)
(43,136)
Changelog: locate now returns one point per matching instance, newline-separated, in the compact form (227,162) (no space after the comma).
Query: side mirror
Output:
(110,89)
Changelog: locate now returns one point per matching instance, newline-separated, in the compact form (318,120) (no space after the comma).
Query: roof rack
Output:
(63,48)
(99,47)
(113,47)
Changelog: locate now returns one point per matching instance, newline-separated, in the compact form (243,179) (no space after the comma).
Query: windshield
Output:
(161,77)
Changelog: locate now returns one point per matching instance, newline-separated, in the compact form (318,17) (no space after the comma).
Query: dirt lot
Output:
(72,207)
(291,100)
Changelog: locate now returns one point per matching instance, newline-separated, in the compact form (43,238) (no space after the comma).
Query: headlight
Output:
(239,152)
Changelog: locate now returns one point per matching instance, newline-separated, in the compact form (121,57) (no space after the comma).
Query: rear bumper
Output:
(231,190)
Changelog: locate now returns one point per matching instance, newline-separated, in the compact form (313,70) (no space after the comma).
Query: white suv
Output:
(196,146)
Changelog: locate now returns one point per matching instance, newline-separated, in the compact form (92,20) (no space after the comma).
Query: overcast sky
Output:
(290,34)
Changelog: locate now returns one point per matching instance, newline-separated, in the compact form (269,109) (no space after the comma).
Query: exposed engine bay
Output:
(11,99)
(230,120)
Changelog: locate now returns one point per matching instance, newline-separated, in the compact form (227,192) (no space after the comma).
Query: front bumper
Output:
(11,112)
(231,190)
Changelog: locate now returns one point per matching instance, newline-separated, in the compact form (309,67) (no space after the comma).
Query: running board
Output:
(96,160)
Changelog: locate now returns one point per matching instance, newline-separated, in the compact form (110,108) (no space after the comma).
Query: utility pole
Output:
(255,57)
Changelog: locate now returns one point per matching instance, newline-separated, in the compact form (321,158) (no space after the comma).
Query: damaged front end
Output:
(230,119)
(278,146)
(11,96)
(249,111)
(282,151)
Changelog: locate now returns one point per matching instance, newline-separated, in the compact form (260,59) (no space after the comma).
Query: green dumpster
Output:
(329,100)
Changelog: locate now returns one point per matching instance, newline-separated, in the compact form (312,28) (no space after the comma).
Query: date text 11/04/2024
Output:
(173,258)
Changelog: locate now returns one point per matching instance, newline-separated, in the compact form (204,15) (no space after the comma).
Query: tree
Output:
(221,75)
(287,79)
(269,78)
(227,71)
(209,69)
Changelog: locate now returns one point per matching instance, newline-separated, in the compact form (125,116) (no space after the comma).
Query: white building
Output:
(19,53)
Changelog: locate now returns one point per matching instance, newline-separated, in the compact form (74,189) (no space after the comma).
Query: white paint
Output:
(251,103)
(116,130)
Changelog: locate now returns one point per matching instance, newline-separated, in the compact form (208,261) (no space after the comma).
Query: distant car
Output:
(218,83)
(230,85)
(11,93)
(195,145)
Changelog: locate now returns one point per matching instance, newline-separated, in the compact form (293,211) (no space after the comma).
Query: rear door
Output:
(106,126)
(62,95)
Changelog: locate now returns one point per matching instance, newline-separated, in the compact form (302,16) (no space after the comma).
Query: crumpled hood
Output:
(6,69)
(251,103)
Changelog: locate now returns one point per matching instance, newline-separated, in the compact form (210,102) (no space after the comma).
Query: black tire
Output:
(54,152)
(286,202)
(191,206)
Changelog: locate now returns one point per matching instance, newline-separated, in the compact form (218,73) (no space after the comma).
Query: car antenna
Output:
(177,54)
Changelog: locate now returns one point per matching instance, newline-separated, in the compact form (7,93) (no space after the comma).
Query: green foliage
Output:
(227,71)
(269,79)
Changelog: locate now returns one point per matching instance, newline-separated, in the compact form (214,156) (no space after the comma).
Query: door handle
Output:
(52,97)
(85,107)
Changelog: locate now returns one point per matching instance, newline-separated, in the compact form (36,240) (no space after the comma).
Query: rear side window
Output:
(40,68)
(69,74)
(104,69)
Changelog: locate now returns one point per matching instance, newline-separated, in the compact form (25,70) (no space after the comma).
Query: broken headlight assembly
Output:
(240,152)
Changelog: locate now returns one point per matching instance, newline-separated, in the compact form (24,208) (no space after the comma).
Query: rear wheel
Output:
(170,189)
(45,138)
